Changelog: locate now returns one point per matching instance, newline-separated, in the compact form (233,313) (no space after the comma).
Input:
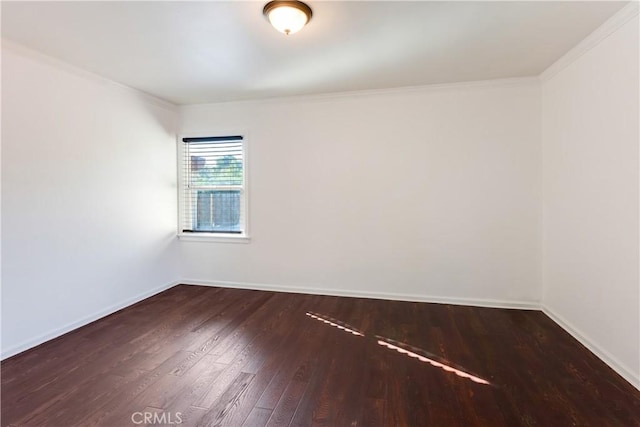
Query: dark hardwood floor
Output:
(200,356)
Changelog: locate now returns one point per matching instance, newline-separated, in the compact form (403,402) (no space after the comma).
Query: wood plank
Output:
(257,418)
(288,403)
(233,357)
(228,402)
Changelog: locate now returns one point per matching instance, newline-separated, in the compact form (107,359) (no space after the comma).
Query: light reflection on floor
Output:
(391,344)
(329,321)
(432,362)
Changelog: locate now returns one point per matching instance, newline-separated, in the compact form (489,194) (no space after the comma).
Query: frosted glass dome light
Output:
(288,17)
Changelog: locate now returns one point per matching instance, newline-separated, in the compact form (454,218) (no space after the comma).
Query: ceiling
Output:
(198,52)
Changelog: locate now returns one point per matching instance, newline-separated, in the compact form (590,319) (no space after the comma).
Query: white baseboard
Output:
(624,371)
(26,345)
(520,305)
(605,356)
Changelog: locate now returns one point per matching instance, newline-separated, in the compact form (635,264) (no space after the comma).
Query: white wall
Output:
(424,194)
(88,197)
(591,191)
(431,194)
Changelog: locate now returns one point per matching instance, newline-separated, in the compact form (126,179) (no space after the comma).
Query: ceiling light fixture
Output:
(287,16)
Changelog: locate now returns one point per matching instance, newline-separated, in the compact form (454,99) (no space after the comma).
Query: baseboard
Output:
(602,354)
(605,356)
(26,345)
(520,305)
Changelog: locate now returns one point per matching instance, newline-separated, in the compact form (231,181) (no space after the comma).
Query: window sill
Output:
(214,237)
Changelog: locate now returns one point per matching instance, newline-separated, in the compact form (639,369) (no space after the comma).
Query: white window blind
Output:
(213,185)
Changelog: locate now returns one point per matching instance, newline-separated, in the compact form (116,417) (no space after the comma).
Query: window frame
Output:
(243,237)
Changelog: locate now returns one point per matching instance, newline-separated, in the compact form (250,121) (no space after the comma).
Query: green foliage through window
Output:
(225,171)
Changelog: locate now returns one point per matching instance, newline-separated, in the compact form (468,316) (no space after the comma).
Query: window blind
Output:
(213,185)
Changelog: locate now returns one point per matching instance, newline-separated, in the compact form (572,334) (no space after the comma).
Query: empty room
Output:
(320,213)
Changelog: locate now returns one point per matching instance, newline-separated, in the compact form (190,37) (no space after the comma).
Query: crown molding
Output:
(609,27)
(42,58)
(405,90)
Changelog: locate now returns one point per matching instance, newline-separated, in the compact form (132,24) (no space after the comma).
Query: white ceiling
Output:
(197,52)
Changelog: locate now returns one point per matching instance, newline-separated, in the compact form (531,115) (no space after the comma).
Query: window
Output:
(212,188)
